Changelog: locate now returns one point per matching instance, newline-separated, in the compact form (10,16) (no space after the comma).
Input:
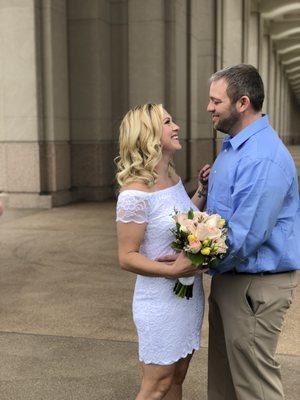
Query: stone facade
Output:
(70,69)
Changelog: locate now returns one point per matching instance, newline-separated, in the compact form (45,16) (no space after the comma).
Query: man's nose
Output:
(210,107)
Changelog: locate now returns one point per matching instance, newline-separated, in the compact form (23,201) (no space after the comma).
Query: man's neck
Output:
(244,122)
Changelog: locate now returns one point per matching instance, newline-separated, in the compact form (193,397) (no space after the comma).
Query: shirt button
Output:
(215,171)
(225,150)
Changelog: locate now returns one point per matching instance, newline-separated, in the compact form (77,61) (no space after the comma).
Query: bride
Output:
(168,327)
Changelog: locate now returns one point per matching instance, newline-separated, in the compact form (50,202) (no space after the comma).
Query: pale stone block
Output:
(84,164)
(232,33)
(83,47)
(93,164)
(253,40)
(3,182)
(20,98)
(19,71)
(201,154)
(90,70)
(22,128)
(201,131)
(119,12)
(205,70)
(91,129)
(56,128)
(28,200)
(119,73)
(89,9)
(57,5)
(176,11)
(23,167)
(146,68)
(17,4)
(55,77)
(58,166)
(106,166)
(180,160)
(93,194)
(204,28)
(145,10)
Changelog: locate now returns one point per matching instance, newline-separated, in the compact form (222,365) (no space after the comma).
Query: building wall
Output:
(70,69)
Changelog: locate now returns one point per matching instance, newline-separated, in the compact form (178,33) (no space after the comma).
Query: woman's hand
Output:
(203,176)
(181,266)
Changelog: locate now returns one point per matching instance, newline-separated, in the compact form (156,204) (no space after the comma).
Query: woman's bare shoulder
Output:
(142,187)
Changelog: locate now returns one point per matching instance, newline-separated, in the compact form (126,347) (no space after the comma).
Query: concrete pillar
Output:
(146,47)
(93,147)
(55,163)
(202,67)
(233,39)
(119,63)
(254,39)
(21,112)
(271,84)
(264,68)
(277,96)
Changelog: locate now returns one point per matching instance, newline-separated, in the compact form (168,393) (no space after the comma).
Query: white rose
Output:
(213,221)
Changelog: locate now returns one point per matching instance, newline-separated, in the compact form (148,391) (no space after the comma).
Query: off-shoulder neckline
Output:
(156,191)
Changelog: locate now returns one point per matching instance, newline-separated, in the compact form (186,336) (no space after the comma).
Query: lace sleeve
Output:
(132,207)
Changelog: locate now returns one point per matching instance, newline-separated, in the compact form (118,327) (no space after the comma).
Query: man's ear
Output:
(243,104)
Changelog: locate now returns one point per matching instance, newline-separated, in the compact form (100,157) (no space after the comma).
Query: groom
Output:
(253,185)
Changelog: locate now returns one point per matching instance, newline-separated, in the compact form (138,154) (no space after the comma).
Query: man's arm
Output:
(259,192)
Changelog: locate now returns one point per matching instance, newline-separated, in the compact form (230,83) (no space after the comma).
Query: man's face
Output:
(224,114)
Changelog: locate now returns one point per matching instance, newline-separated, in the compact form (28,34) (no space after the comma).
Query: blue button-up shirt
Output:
(253,185)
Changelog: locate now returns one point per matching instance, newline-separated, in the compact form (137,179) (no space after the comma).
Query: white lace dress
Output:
(168,326)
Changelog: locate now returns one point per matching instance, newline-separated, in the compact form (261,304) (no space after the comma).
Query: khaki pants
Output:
(246,314)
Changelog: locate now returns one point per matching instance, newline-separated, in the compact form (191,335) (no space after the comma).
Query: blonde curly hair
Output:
(139,145)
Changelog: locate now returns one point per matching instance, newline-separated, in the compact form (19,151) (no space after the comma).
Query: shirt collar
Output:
(247,132)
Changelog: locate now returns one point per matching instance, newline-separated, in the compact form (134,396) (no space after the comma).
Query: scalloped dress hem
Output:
(155,362)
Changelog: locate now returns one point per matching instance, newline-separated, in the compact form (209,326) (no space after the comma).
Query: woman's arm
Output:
(130,237)
(200,196)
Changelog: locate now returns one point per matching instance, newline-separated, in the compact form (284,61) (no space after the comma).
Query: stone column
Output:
(271,93)
(254,39)
(21,116)
(93,147)
(55,161)
(277,96)
(233,38)
(264,68)
(146,47)
(204,42)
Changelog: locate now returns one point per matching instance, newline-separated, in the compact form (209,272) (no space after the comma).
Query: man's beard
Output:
(226,125)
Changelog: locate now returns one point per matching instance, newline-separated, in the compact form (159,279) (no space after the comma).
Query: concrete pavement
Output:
(66,331)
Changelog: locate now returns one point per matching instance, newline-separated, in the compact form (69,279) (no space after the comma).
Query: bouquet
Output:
(202,236)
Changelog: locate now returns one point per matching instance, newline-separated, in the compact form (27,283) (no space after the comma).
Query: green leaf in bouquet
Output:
(190,214)
(176,245)
(213,263)
(197,259)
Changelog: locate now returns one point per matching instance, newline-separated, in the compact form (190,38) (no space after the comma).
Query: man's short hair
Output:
(242,80)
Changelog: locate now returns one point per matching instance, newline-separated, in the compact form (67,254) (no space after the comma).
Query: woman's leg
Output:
(163,381)
(175,392)
(157,381)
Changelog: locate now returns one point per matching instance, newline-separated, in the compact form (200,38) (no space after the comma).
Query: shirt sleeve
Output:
(259,191)
(132,207)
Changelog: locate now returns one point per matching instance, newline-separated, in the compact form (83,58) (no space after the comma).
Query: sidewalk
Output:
(66,331)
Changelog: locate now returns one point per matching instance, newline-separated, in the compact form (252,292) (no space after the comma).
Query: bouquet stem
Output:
(183,291)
